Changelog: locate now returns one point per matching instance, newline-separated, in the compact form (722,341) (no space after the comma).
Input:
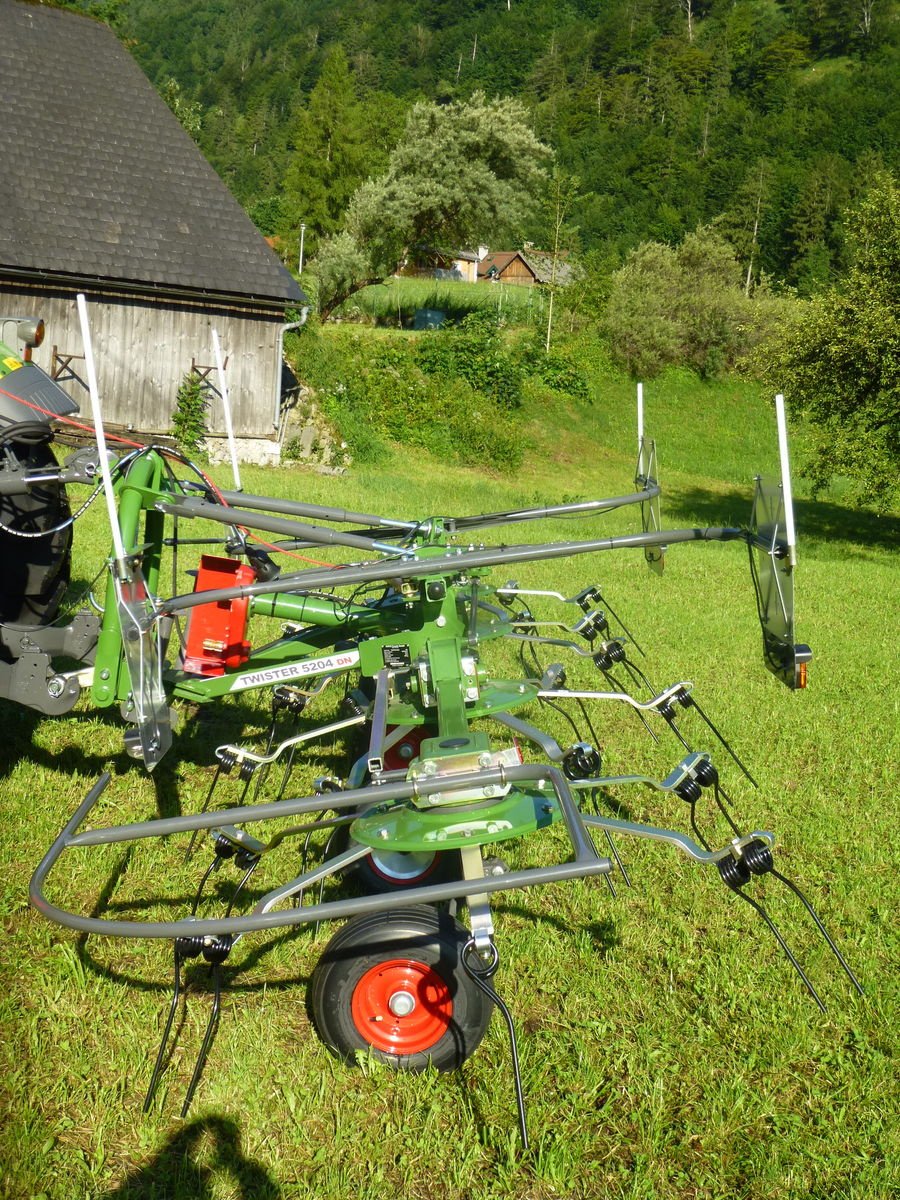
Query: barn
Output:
(103,192)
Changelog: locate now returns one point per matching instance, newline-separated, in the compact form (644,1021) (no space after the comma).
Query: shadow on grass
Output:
(195,1163)
(817,520)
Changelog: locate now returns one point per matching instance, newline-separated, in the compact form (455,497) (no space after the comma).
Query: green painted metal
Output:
(136,494)
(407,828)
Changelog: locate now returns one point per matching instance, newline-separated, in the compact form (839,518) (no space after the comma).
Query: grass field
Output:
(396,301)
(667,1049)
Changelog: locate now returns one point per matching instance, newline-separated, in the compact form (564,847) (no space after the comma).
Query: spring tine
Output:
(615,854)
(784,946)
(641,675)
(212,1023)
(670,721)
(824,932)
(697,834)
(482,981)
(213,866)
(694,704)
(189,853)
(288,768)
(627,631)
(637,676)
(720,795)
(160,1057)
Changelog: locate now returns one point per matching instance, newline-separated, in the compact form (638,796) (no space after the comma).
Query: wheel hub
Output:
(401,1004)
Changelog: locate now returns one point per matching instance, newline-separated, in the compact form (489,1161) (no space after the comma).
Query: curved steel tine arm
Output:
(531,624)
(652,705)
(238,754)
(510,589)
(824,932)
(783,944)
(332,866)
(675,838)
(549,745)
(537,640)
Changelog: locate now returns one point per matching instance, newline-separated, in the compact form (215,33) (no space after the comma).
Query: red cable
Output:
(142,446)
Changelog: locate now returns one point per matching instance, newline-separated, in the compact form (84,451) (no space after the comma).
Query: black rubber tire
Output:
(35,571)
(427,942)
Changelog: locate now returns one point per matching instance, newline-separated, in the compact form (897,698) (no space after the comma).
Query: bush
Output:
(375,393)
(685,306)
(474,351)
(189,416)
(554,370)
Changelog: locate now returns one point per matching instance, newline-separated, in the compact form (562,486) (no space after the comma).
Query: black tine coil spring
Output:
(689,790)
(616,650)
(189,947)
(758,857)
(705,773)
(217,949)
(734,871)
(684,698)
(581,761)
(224,847)
(227,759)
(247,770)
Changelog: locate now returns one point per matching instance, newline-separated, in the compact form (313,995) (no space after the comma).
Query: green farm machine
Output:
(402,626)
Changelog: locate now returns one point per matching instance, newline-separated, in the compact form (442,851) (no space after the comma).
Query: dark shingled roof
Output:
(98,180)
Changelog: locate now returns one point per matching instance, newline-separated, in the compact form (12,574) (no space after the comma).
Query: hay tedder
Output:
(393,647)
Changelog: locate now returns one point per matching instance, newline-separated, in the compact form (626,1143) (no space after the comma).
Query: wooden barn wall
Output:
(144,348)
(516,272)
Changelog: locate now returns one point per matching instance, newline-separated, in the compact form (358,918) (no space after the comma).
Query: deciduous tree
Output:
(840,364)
(461,174)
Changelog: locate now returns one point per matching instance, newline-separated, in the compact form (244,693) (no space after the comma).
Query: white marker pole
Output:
(226,407)
(786,479)
(118,545)
(640,427)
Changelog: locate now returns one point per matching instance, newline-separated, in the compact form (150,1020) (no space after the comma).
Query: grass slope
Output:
(667,1049)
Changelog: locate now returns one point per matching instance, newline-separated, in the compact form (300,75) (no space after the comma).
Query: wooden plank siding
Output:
(516,272)
(144,347)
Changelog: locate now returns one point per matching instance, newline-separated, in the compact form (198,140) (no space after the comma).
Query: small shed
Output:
(526,267)
(103,192)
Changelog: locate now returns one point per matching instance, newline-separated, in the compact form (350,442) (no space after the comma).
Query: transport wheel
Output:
(35,570)
(394,983)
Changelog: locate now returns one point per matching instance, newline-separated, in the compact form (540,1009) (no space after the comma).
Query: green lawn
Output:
(667,1049)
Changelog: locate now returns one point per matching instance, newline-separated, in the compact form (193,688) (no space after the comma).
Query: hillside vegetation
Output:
(763,116)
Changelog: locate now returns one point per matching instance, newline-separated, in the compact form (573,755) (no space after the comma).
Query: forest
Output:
(766,118)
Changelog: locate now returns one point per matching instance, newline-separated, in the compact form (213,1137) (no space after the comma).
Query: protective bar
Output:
(587,861)
(296,529)
(455,561)
(319,512)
